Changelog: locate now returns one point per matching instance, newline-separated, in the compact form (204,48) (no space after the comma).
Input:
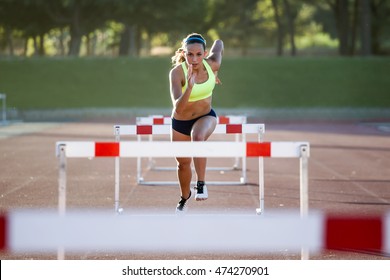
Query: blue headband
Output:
(189,40)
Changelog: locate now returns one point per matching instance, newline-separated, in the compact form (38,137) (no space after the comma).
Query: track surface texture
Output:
(349,173)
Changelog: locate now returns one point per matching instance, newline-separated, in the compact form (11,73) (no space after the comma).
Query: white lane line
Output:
(340,176)
(18,129)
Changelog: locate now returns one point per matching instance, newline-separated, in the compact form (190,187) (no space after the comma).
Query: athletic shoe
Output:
(201,191)
(182,205)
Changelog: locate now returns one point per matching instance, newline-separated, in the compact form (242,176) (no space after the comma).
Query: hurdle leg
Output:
(304,191)
(260,210)
(62,181)
(62,192)
(304,182)
(236,164)
(117,174)
(117,184)
(150,159)
(243,178)
(139,164)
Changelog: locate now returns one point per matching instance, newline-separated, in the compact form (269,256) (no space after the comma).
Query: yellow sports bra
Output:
(203,90)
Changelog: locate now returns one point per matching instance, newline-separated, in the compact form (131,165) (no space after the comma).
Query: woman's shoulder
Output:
(178,67)
(177,72)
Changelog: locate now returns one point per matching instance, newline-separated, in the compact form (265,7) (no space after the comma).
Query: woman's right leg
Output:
(184,172)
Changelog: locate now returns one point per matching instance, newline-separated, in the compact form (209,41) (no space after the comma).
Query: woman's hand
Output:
(190,76)
(217,80)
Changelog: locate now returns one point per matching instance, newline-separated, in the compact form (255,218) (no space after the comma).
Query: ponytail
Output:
(178,58)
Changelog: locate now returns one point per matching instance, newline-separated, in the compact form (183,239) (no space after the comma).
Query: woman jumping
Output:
(192,81)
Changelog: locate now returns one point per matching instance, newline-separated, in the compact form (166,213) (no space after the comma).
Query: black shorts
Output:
(185,127)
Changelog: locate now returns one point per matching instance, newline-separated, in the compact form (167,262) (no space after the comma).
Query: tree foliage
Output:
(125,27)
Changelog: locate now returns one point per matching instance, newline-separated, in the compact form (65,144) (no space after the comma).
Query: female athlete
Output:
(192,81)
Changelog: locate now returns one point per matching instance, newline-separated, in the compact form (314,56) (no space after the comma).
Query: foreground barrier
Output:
(236,129)
(164,120)
(74,149)
(81,231)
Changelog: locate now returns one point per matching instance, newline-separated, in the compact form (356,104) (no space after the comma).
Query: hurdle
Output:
(31,230)
(165,129)
(161,120)
(134,149)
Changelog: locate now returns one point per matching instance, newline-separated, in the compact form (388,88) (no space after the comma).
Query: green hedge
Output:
(45,83)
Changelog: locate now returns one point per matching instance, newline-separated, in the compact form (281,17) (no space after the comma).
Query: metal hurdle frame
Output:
(133,149)
(160,120)
(164,129)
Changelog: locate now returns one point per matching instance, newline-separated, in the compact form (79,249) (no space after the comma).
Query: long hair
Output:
(192,38)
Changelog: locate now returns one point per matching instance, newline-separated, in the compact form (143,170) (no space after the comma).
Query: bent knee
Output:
(198,136)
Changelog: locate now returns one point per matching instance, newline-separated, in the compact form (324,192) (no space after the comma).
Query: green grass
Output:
(44,83)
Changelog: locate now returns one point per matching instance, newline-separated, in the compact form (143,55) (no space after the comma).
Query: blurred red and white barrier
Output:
(81,231)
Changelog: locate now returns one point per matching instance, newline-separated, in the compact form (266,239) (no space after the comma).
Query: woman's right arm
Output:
(179,98)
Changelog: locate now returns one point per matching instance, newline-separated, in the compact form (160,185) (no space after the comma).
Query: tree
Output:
(346,24)
(365,27)
(8,21)
(380,23)
(137,24)
(27,17)
(279,28)
(370,17)
(290,15)
(237,22)
(285,14)
(82,17)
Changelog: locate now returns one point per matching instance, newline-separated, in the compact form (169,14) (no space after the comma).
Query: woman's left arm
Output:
(215,55)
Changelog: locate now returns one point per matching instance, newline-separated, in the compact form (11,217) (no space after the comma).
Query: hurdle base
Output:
(175,183)
(158,168)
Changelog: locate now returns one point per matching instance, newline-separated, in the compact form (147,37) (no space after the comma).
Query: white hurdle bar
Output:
(29,230)
(165,129)
(132,149)
(160,119)
(165,120)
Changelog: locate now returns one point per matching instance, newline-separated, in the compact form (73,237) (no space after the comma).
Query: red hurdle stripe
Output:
(234,128)
(223,120)
(107,149)
(258,149)
(345,233)
(144,129)
(3,233)
(158,120)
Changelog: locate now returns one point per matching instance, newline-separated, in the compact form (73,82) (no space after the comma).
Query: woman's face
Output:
(194,54)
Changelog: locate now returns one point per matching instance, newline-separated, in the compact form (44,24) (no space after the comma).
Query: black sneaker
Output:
(181,206)
(201,191)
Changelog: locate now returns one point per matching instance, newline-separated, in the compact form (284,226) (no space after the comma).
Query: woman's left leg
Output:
(201,131)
